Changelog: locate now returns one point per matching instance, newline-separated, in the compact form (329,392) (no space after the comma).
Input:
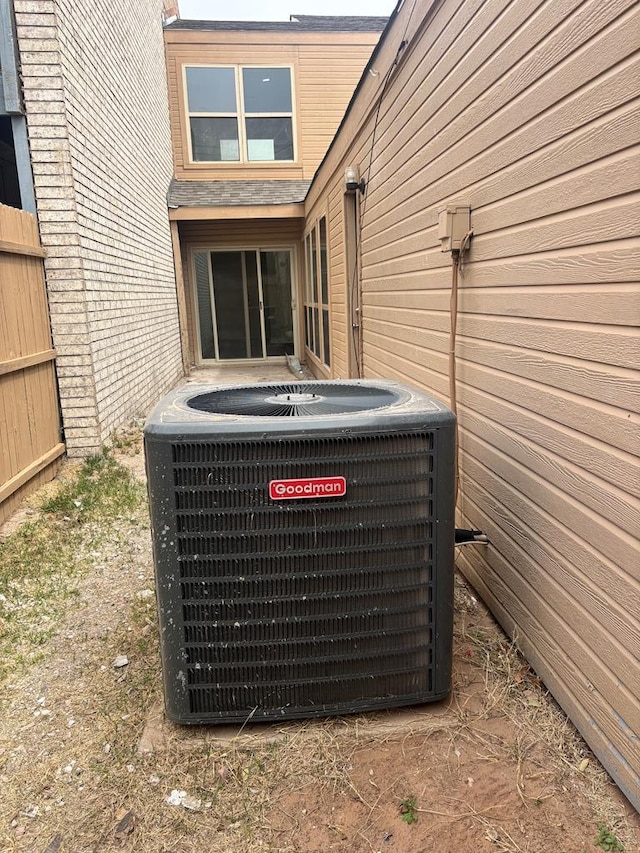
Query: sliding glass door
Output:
(244,303)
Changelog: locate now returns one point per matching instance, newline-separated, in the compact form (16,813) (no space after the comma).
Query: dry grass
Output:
(72,723)
(513,687)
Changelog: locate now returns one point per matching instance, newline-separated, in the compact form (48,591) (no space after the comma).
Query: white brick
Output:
(97,114)
(27,6)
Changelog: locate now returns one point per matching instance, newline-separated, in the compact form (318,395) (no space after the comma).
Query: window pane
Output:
(266,90)
(269,139)
(229,304)
(307,278)
(211,90)
(314,265)
(253,305)
(316,332)
(215,139)
(307,327)
(323,261)
(275,268)
(205,320)
(325,331)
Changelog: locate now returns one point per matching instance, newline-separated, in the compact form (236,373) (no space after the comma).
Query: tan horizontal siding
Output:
(338,284)
(241,233)
(528,112)
(326,80)
(197,39)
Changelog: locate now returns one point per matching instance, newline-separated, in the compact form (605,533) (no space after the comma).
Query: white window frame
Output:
(240,116)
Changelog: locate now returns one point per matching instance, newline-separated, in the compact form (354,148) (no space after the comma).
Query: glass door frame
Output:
(293,265)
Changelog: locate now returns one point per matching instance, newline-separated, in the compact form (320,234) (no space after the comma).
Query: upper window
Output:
(239,114)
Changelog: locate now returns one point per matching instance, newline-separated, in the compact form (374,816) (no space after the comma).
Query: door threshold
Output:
(243,362)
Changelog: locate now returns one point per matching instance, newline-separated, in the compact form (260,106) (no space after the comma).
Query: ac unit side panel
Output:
(303,608)
(444,535)
(164,535)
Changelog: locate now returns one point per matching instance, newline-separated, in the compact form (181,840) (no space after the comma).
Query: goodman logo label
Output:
(311,487)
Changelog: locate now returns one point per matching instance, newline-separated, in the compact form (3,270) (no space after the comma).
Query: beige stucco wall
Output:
(526,111)
(96,105)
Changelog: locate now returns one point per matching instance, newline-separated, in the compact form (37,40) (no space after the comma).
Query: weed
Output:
(103,489)
(408,810)
(606,840)
(128,440)
(42,560)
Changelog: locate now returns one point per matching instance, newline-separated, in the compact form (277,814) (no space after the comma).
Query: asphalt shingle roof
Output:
(235,193)
(297,24)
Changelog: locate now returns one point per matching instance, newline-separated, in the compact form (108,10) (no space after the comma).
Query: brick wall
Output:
(96,103)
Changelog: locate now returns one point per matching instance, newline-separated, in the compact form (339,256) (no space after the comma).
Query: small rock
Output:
(125,826)
(144,593)
(120,661)
(54,845)
(154,780)
(176,797)
(192,803)
(31,811)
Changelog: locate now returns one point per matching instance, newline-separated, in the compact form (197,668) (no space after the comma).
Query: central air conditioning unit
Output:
(303,541)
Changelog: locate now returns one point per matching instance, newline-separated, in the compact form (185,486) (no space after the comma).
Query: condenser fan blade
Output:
(295,400)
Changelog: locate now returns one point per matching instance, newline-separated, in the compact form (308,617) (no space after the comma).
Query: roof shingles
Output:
(235,193)
(297,24)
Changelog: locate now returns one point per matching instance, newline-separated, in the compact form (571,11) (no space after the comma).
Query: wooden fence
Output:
(30,438)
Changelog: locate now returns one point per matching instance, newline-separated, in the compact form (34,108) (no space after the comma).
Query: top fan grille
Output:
(294,400)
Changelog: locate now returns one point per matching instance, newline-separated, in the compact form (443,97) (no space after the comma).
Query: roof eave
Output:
(244,211)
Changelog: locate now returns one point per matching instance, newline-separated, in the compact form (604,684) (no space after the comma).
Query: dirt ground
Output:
(86,765)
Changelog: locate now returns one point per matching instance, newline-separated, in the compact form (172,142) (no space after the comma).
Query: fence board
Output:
(30,441)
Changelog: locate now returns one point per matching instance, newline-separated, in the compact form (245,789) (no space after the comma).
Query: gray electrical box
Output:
(454,223)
